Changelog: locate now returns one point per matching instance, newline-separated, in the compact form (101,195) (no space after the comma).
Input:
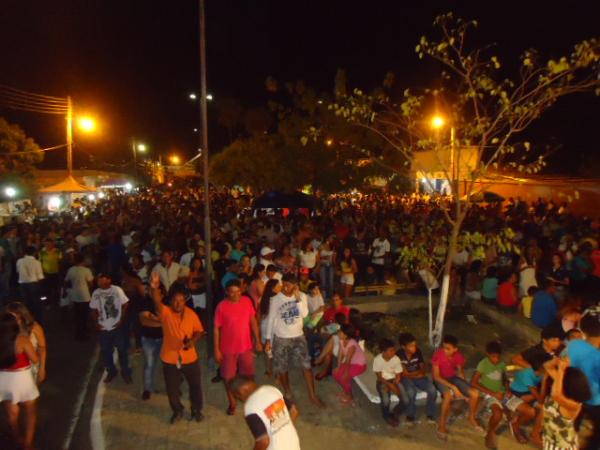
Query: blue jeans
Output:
(411,386)
(386,401)
(151,349)
(327,273)
(109,340)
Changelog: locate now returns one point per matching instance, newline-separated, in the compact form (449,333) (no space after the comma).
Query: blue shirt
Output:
(524,379)
(489,288)
(544,310)
(586,358)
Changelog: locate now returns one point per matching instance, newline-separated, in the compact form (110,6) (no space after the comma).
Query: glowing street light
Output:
(141,148)
(329,142)
(86,124)
(10,192)
(193,96)
(175,159)
(209,97)
(128,186)
(437,122)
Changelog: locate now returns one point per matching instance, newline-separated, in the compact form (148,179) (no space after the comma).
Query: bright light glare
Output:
(141,148)
(86,124)
(128,186)
(424,180)
(175,159)
(101,195)
(209,97)
(437,122)
(329,142)
(10,191)
(192,96)
(54,202)
(91,197)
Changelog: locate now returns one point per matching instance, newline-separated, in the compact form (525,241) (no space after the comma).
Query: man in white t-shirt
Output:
(388,369)
(285,336)
(109,308)
(268,414)
(168,270)
(79,280)
(380,249)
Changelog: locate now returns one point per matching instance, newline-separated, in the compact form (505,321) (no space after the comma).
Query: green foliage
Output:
(18,153)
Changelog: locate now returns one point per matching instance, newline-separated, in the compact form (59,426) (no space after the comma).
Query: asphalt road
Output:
(69,364)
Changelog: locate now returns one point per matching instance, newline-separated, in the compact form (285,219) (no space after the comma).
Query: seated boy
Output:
(414,378)
(388,368)
(527,384)
(449,378)
(490,379)
(550,347)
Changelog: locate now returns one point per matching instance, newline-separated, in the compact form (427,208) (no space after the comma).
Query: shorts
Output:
(290,353)
(512,403)
(463,386)
(347,278)
(237,364)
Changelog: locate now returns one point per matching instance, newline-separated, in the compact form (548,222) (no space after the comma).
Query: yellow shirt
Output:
(526,304)
(50,260)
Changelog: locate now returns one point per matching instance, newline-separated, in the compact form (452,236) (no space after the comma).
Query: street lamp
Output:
(193,96)
(174,159)
(10,192)
(135,148)
(86,124)
(438,122)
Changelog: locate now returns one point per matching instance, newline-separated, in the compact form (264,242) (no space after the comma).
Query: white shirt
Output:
(268,404)
(388,369)
(109,304)
(286,316)
(168,276)
(461,258)
(79,277)
(315,302)
(186,259)
(29,270)
(380,248)
(308,259)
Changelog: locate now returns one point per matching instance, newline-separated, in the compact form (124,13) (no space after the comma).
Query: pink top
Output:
(447,365)
(234,321)
(358,358)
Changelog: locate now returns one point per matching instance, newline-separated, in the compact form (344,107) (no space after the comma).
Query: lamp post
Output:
(135,148)
(438,122)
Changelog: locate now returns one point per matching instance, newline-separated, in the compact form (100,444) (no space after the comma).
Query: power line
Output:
(29,101)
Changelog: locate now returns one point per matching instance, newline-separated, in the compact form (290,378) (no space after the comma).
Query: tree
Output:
(229,115)
(18,153)
(486,111)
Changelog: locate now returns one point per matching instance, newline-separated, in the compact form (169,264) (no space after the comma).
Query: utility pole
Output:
(135,167)
(207,222)
(69,137)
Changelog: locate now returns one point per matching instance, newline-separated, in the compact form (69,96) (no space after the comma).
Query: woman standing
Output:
(308,258)
(286,262)
(257,285)
(272,288)
(327,266)
(33,330)
(527,268)
(18,391)
(347,270)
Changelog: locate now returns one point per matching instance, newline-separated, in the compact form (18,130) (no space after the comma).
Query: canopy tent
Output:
(69,184)
(276,199)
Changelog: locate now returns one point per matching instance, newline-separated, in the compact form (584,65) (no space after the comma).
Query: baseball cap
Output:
(266,251)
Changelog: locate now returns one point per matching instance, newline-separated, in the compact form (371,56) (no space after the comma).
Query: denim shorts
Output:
(462,385)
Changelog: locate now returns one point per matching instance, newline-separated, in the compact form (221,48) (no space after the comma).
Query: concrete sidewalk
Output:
(130,423)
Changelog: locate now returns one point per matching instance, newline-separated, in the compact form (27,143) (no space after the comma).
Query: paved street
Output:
(129,423)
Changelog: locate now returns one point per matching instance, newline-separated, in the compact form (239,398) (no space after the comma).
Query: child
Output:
(569,390)
(527,301)
(490,379)
(527,382)
(351,362)
(329,334)
(414,378)
(388,369)
(574,333)
(489,286)
(449,378)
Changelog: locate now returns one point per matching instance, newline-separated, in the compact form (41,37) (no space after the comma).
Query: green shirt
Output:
(492,376)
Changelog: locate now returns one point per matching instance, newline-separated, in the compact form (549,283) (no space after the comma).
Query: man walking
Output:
(109,306)
(50,258)
(181,330)
(30,274)
(285,336)
(235,323)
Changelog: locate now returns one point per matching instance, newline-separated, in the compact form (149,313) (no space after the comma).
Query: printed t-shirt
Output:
(267,414)
(492,375)
(109,304)
(414,363)
(447,365)
(175,329)
(234,321)
(389,369)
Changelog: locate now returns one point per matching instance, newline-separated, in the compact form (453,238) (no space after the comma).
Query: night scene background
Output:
(134,63)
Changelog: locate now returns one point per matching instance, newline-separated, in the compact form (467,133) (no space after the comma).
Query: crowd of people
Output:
(131,268)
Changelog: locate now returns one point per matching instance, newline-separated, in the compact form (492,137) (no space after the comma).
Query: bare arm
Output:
(42,350)
(256,333)
(24,345)
(155,292)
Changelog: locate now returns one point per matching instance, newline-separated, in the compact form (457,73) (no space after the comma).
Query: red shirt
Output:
(596,260)
(234,321)
(448,364)
(507,294)
(330,313)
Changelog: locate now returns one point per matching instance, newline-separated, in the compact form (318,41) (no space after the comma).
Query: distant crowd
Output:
(130,267)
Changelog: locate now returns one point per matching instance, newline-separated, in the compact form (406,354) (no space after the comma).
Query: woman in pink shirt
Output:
(351,362)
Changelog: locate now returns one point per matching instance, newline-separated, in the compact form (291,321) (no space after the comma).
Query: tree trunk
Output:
(436,336)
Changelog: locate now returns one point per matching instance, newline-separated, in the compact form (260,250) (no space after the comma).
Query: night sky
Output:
(133,63)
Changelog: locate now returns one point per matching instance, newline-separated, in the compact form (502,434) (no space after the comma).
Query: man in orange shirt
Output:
(181,330)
